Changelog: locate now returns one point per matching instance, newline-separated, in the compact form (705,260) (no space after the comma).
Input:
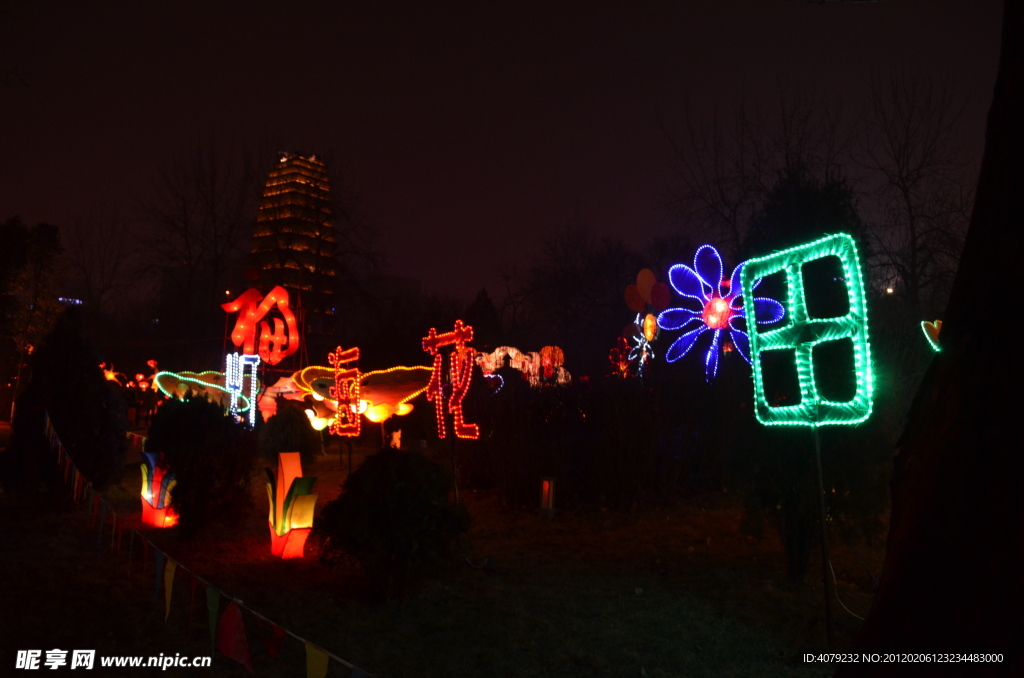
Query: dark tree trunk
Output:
(954,570)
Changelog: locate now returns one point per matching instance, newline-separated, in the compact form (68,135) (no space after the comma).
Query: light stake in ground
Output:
(291,506)
(157,483)
(801,334)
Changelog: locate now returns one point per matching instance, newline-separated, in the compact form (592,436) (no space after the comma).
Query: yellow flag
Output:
(168,584)
(316,662)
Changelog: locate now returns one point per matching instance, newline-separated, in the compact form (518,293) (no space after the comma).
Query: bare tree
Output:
(200,215)
(922,199)
(724,172)
(100,259)
(573,292)
(952,575)
(197,224)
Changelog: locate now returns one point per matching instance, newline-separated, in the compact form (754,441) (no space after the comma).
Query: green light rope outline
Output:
(924,328)
(802,333)
(207,384)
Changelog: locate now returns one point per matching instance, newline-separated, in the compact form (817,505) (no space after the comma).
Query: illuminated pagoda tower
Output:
(293,242)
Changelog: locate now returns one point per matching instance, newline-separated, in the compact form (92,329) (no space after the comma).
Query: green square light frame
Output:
(802,333)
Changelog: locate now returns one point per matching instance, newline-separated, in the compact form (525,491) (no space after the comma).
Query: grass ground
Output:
(676,591)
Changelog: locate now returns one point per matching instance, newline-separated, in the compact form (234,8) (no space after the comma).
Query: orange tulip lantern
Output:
(157,484)
(291,506)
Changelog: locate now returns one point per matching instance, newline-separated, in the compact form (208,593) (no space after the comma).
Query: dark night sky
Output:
(481,123)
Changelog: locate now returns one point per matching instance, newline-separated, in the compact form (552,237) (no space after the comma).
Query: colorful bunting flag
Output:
(212,603)
(275,639)
(159,572)
(103,519)
(192,600)
(316,661)
(227,634)
(168,586)
(231,636)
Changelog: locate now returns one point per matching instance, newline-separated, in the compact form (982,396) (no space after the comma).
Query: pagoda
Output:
(293,242)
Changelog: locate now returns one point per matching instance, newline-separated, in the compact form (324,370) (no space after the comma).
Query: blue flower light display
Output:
(716,305)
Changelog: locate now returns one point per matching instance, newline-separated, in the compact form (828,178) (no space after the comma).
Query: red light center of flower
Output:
(717,313)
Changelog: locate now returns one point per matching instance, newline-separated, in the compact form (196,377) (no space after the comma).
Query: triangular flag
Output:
(231,636)
(191,600)
(168,585)
(274,640)
(159,572)
(316,661)
(103,519)
(212,603)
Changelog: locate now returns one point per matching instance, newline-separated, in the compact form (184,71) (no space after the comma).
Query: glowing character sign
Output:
(716,306)
(802,333)
(460,366)
(291,506)
(346,392)
(234,379)
(274,346)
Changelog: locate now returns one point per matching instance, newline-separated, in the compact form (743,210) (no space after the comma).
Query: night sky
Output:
(483,125)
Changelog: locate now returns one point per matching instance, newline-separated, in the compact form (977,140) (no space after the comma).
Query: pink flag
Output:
(274,639)
(231,636)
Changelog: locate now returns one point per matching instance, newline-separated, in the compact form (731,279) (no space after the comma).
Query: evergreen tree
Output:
(483,317)
(289,430)
(776,463)
(211,456)
(87,410)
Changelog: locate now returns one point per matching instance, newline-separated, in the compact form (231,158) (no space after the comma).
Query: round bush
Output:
(394,517)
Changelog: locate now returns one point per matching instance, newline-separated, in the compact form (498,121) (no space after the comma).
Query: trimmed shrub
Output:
(87,410)
(212,457)
(394,518)
(290,431)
